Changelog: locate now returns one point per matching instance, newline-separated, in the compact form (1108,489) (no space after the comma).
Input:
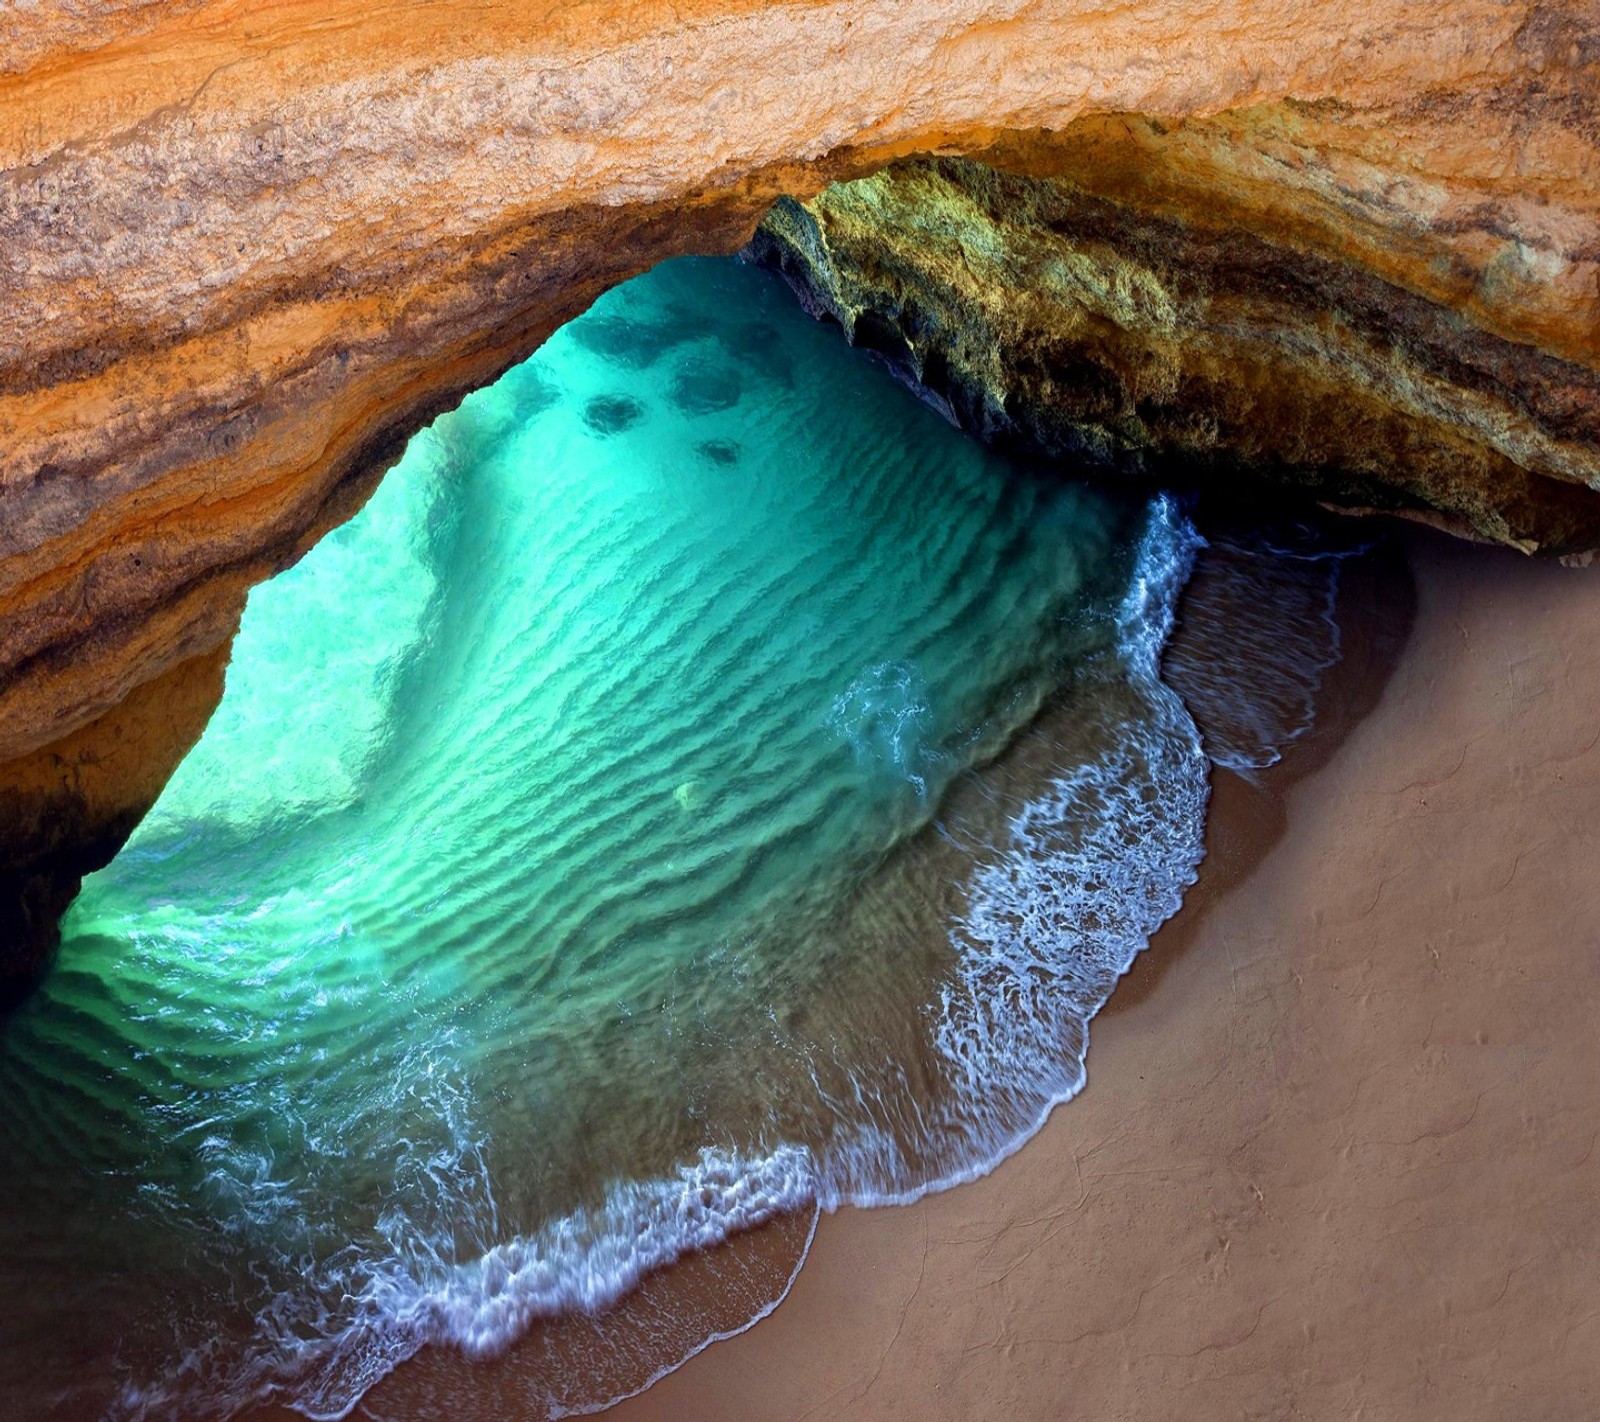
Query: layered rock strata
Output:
(1241,300)
(247,248)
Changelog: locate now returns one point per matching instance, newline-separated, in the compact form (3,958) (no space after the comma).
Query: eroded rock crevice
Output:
(1108,297)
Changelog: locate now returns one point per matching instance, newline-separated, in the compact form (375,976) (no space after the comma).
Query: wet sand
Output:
(1336,1157)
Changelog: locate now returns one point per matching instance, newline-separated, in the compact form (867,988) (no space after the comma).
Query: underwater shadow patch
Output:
(612,414)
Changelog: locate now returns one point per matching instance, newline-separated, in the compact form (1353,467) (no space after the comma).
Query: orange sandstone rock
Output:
(248,246)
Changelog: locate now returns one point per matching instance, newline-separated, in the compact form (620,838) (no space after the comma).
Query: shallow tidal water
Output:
(700,789)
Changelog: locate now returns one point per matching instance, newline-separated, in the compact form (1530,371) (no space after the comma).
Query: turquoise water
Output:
(700,788)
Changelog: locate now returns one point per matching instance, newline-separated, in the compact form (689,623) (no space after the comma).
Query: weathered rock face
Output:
(67,808)
(247,247)
(1215,297)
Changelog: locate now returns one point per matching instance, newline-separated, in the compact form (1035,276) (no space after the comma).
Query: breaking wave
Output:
(660,816)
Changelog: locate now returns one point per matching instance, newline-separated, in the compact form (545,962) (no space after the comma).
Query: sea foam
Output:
(825,923)
(1053,916)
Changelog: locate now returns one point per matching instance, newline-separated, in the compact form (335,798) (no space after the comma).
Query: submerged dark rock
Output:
(725,452)
(628,343)
(701,387)
(611,414)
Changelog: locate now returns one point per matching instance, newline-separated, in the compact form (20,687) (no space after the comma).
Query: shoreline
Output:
(551,1352)
(1213,629)
(1337,1206)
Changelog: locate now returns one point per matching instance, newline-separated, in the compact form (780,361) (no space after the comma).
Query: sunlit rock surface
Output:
(247,248)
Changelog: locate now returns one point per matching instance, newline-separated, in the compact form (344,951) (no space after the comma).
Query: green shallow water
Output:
(700,786)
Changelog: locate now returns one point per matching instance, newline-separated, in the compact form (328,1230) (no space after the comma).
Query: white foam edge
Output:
(589,1260)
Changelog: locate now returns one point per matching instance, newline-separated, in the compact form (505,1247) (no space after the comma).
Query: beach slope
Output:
(1337,1154)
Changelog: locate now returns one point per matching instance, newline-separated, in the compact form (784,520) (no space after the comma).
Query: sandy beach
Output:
(1336,1157)
(762,711)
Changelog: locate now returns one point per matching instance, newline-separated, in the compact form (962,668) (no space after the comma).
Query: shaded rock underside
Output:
(1104,297)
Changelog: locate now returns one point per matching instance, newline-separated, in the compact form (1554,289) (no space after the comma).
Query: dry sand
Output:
(1337,1153)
